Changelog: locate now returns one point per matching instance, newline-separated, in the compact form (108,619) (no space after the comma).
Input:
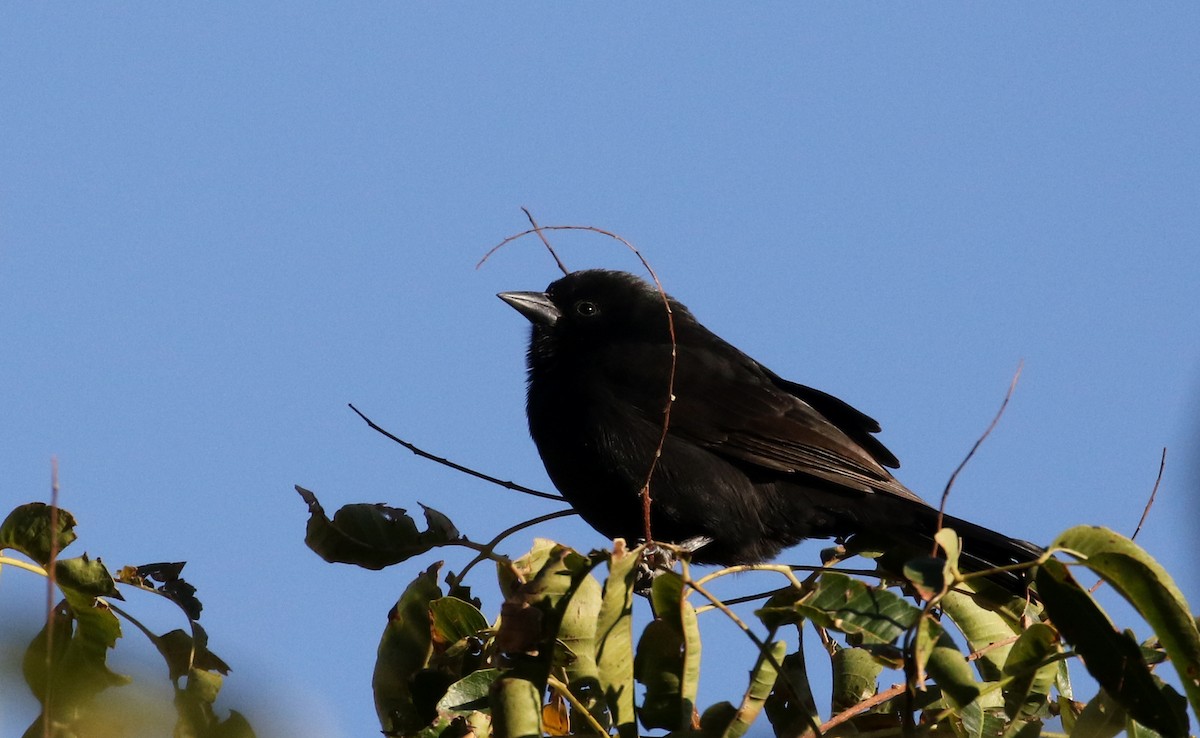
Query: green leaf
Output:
(947,665)
(1024,729)
(195,702)
(951,545)
(1149,588)
(234,726)
(931,577)
(1133,729)
(578,614)
(182,652)
(548,620)
(855,675)
(453,620)
(75,670)
(790,707)
(614,640)
(658,667)
(981,627)
(469,694)
(1031,668)
(1114,659)
(1103,717)
(404,650)
(372,536)
(86,577)
(762,681)
(668,657)
(516,708)
(849,606)
(714,721)
(978,722)
(35,529)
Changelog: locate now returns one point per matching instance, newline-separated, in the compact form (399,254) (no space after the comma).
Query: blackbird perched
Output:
(751,462)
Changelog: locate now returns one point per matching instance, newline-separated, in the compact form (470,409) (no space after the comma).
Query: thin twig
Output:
(766,567)
(723,607)
(720,605)
(562,267)
(851,712)
(50,585)
(457,467)
(976,655)
(565,692)
(991,426)
(1162,463)
(783,569)
(645,491)
(489,549)
(34,568)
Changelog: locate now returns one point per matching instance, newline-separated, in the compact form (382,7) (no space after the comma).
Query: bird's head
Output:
(593,309)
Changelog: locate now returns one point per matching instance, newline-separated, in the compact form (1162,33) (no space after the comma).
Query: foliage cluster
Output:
(66,664)
(563,658)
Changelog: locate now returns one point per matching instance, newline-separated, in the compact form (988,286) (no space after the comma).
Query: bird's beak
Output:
(535,306)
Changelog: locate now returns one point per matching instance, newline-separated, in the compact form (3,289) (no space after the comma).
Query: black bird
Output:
(751,461)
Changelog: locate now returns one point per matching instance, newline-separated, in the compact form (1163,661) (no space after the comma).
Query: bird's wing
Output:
(730,404)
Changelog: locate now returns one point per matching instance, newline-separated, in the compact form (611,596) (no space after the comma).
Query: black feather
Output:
(751,461)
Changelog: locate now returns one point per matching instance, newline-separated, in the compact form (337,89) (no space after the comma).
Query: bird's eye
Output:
(586,308)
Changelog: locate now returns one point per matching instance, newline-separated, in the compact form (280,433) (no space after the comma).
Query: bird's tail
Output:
(984,549)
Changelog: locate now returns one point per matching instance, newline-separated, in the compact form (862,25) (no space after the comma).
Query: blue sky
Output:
(219,224)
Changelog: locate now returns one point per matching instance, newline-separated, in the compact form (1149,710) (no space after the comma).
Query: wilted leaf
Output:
(171,586)
(372,536)
(404,650)
(556,719)
(31,530)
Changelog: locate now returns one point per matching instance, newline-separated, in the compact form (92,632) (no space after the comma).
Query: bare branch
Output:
(879,698)
(991,426)
(488,549)
(562,267)
(457,467)
(1162,463)
(51,570)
